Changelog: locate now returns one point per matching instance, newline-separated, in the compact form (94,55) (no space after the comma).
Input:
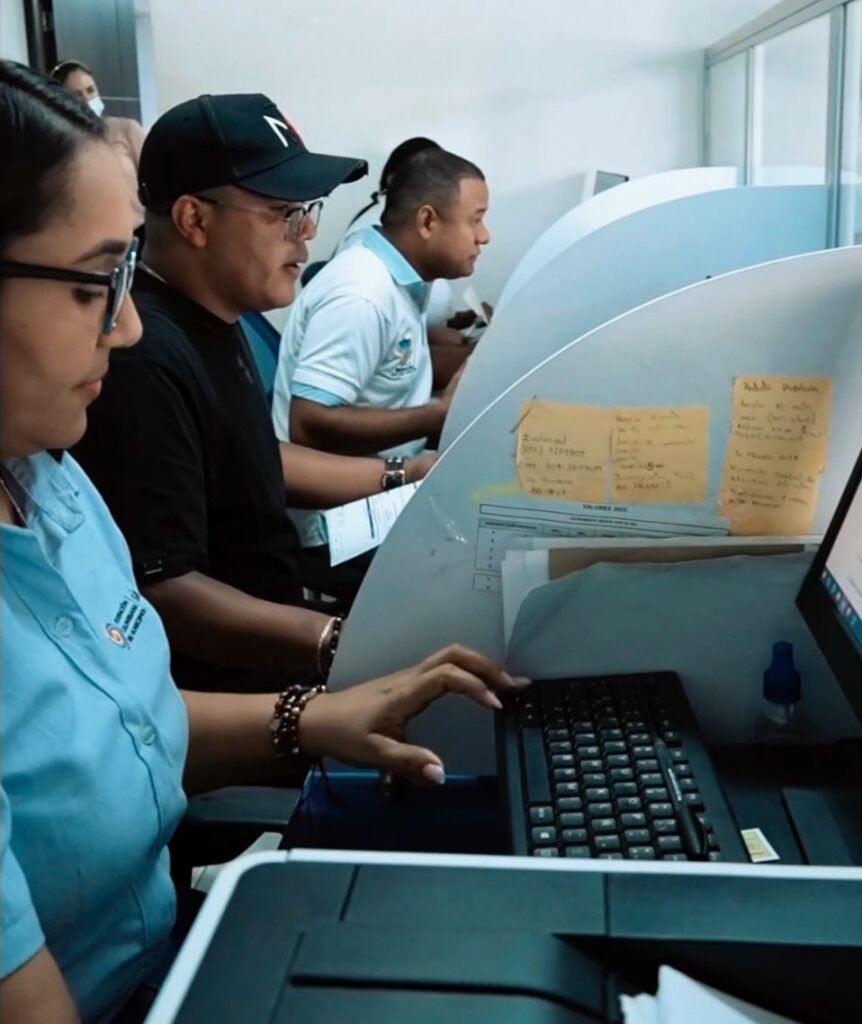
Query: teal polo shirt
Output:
(94,743)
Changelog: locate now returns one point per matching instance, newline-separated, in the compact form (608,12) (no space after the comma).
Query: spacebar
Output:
(535,767)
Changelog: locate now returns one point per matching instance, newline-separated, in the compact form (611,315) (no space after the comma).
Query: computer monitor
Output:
(607,179)
(831,596)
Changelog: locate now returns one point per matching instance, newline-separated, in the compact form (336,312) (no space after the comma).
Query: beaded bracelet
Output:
(285,721)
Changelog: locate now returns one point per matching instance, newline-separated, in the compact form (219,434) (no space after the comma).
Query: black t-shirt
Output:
(181,446)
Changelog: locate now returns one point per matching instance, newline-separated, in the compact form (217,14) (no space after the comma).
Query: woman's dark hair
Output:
(41,127)
(396,159)
(65,68)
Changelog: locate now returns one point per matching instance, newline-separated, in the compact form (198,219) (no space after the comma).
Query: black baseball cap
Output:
(240,140)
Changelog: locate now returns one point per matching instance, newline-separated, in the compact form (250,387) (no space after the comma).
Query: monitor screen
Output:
(831,596)
(842,574)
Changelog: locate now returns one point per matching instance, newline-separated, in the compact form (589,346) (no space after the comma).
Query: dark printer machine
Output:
(318,936)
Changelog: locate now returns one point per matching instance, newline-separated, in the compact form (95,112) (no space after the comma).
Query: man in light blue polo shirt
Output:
(91,794)
(354,374)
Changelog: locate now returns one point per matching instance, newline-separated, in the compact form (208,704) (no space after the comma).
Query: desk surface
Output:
(737,927)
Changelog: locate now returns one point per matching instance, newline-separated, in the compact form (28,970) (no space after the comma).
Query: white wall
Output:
(13,33)
(534,93)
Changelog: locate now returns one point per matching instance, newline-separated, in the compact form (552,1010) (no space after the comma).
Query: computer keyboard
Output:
(612,767)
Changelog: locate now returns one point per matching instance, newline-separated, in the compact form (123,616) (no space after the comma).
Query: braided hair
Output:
(41,128)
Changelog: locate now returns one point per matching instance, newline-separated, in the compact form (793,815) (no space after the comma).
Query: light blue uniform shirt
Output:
(94,741)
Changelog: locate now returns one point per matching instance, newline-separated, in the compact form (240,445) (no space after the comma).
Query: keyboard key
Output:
(640,853)
(612,734)
(637,836)
(694,800)
(715,855)
(646,765)
(581,852)
(622,775)
(643,750)
(675,856)
(542,815)
(656,793)
(672,738)
(625,789)
(574,835)
(633,819)
(581,727)
(570,803)
(543,836)
(567,788)
(677,756)
(661,810)
(687,785)
(652,779)
(635,730)
(597,794)
(564,774)
(683,771)
(562,760)
(608,844)
(595,779)
(618,761)
(669,844)
(704,820)
(546,851)
(560,747)
(602,810)
(610,856)
(557,734)
(572,819)
(712,840)
(665,826)
(600,825)
(592,764)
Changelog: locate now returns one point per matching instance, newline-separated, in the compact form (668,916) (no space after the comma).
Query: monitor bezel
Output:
(821,614)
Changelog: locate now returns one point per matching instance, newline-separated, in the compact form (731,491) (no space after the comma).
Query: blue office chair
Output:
(264,341)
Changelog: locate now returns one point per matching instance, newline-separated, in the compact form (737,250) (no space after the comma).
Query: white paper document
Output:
(362,525)
(681,1000)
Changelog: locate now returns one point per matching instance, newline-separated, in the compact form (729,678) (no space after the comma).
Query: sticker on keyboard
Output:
(759,848)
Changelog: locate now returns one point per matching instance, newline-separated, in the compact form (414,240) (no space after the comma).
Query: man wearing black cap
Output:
(181,443)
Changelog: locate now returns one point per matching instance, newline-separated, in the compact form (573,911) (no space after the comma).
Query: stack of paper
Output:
(681,1000)
(362,525)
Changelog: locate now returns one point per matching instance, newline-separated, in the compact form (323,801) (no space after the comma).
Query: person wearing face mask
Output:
(99,746)
(124,134)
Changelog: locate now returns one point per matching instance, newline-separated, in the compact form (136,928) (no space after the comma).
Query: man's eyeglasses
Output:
(294,220)
(118,282)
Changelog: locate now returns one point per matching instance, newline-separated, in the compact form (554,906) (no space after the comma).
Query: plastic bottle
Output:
(780,719)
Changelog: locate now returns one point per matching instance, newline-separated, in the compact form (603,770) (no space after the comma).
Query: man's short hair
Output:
(431,177)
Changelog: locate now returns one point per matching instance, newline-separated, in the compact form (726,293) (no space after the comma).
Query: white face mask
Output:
(96,105)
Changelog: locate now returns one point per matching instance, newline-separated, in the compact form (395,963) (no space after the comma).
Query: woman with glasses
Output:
(99,747)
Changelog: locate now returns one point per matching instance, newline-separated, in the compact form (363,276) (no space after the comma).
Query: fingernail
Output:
(434,773)
(493,701)
(522,681)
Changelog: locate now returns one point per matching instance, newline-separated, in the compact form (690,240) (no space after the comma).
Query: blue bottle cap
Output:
(781,681)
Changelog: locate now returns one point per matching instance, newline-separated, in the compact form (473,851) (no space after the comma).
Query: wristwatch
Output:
(394,475)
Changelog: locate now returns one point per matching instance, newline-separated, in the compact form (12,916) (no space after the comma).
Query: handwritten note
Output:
(776,455)
(563,451)
(660,456)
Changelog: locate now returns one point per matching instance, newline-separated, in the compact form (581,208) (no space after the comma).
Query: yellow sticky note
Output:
(563,451)
(776,455)
(660,456)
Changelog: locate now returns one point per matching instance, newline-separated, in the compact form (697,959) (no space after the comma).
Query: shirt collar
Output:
(47,488)
(403,272)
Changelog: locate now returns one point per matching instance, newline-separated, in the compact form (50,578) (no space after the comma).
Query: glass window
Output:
(727,113)
(794,102)
(850,208)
